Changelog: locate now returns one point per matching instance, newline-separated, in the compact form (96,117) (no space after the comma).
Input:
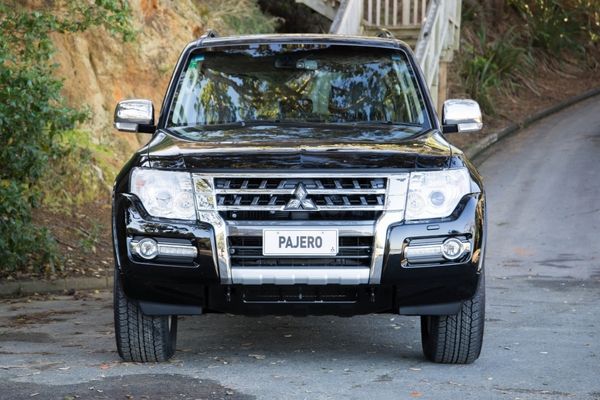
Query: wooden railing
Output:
(348,19)
(439,37)
(394,13)
(326,8)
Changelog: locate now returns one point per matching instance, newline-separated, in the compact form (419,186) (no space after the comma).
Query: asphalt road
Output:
(542,336)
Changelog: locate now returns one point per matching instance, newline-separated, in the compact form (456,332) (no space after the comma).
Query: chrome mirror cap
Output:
(135,116)
(461,115)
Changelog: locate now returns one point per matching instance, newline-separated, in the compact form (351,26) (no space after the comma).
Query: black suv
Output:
(304,175)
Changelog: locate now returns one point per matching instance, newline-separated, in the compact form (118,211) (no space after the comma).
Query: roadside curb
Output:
(483,144)
(23,288)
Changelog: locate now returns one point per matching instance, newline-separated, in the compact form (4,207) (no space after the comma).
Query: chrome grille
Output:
(275,194)
(354,251)
(359,204)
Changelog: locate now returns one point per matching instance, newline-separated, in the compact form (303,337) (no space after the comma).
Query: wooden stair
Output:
(401,17)
(407,33)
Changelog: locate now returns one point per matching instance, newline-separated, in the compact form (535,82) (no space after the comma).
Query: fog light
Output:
(423,253)
(147,248)
(452,249)
(177,250)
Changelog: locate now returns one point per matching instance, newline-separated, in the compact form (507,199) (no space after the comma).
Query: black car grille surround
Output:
(300,197)
(353,251)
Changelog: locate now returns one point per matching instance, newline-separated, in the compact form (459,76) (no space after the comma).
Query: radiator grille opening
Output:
(354,251)
(300,294)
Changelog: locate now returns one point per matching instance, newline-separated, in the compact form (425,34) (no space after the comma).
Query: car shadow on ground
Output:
(380,337)
(383,337)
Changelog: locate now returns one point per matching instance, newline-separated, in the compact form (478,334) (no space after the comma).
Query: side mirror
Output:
(461,115)
(135,116)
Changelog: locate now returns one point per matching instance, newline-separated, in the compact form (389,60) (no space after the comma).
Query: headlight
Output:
(436,194)
(165,194)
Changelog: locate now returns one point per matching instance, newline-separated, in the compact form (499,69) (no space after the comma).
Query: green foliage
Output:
(244,16)
(496,62)
(33,115)
(557,25)
(91,238)
(20,240)
(491,65)
(78,186)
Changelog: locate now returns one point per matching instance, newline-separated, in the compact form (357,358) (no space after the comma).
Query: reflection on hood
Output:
(298,148)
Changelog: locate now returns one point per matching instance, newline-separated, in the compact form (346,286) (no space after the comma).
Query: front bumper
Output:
(197,285)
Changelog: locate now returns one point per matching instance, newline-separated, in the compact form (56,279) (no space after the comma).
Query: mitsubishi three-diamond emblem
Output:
(300,200)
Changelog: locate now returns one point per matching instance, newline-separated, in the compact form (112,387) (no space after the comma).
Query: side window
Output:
(409,91)
(188,88)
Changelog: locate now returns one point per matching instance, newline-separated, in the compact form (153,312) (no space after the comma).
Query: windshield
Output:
(298,83)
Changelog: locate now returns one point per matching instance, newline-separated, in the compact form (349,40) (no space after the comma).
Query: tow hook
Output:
(372,295)
(228,294)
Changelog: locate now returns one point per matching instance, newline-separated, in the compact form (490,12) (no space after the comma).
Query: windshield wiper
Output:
(225,125)
(391,123)
(315,121)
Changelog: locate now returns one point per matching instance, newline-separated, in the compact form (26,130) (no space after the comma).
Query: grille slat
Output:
(253,257)
(291,190)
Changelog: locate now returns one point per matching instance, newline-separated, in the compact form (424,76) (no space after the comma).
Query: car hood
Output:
(290,148)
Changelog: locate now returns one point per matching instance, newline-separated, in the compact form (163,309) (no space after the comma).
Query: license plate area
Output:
(300,242)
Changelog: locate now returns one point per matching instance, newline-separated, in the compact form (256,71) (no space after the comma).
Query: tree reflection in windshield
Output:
(304,83)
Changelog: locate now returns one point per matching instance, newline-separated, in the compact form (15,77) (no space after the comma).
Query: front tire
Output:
(456,339)
(141,338)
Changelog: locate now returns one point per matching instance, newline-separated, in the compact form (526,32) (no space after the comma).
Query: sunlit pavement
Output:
(542,336)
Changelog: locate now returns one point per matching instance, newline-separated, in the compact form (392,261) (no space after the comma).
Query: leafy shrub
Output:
(241,16)
(556,25)
(497,62)
(491,65)
(79,186)
(20,240)
(33,115)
